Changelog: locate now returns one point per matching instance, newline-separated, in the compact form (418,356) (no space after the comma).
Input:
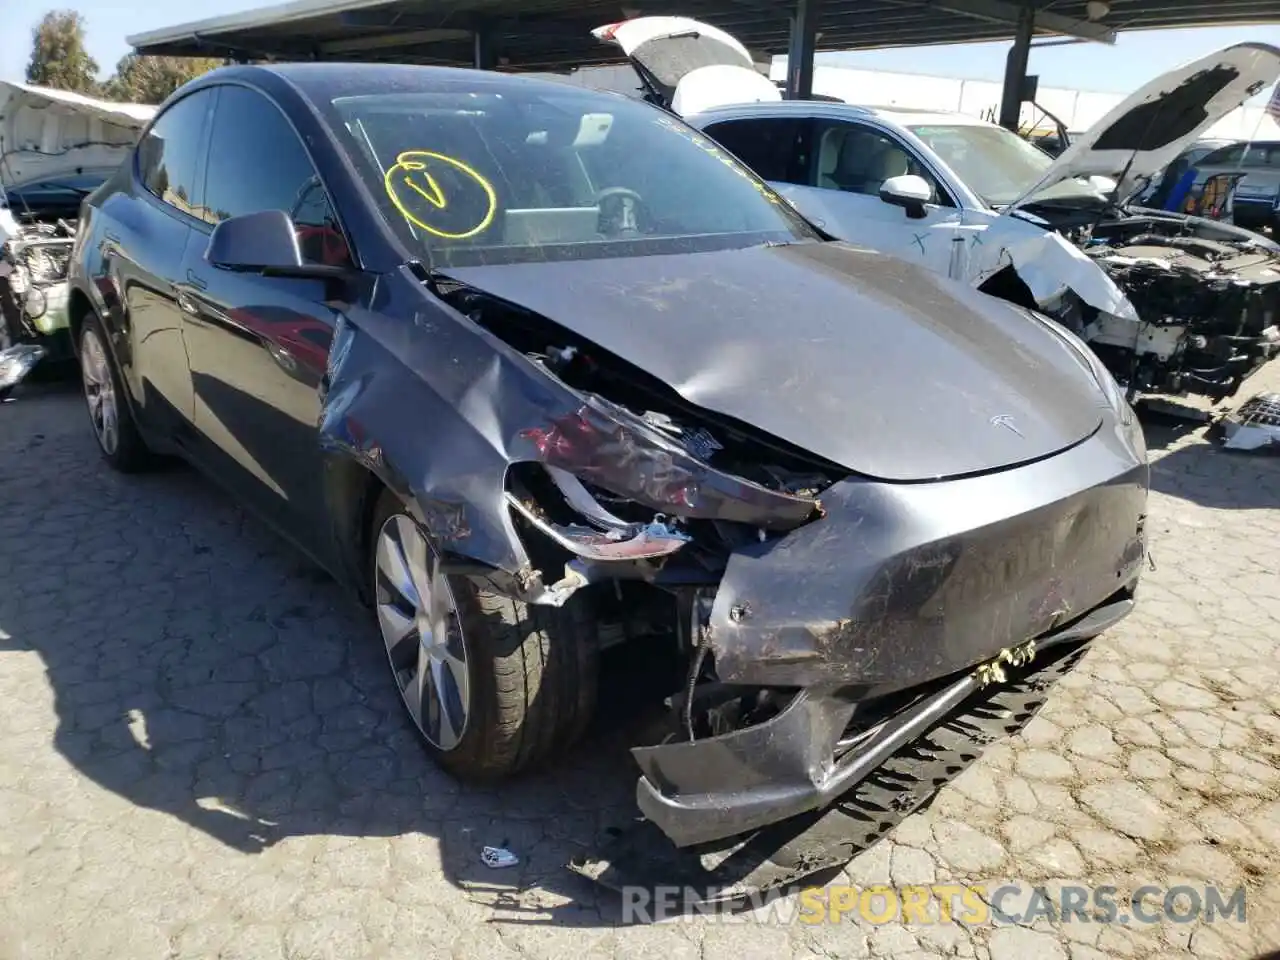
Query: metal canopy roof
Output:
(555,34)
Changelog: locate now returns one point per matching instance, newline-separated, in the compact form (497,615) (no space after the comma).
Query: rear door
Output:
(144,241)
(259,345)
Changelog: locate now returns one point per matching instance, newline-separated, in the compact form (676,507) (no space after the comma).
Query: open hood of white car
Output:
(48,133)
(1146,132)
(691,66)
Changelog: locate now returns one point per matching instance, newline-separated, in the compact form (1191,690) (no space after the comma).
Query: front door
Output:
(259,345)
(848,163)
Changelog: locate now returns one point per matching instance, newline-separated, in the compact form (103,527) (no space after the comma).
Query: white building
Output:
(1077,109)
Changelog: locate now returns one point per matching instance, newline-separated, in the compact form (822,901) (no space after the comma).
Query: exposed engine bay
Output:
(1207,295)
(33,274)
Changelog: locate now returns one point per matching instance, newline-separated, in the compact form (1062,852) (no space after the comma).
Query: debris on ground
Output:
(16,362)
(1255,426)
(498,857)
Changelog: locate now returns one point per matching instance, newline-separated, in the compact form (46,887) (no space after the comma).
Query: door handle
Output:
(195,280)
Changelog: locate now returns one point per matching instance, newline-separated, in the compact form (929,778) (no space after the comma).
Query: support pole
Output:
(1015,70)
(483,49)
(804,40)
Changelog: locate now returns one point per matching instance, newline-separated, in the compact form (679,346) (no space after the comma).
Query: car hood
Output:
(875,364)
(690,65)
(1148,130)
(47,133)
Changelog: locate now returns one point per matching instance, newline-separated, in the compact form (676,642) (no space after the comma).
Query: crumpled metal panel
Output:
(1047,263)
(902,583)
(875,356)
(393,382)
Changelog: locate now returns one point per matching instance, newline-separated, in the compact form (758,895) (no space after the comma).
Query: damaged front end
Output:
(1201,300)
(34,262)
(1208,306)
(824,620)
(1205,293)
(56,147)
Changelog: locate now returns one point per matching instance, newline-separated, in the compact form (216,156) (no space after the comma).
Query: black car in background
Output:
(535,369)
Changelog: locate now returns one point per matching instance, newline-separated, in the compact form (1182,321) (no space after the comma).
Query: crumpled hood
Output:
(45,133)
(1146,132)
(870,362)
(691,65)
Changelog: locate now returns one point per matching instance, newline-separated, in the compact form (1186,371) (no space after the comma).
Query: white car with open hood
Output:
(56,148)
(1172,304)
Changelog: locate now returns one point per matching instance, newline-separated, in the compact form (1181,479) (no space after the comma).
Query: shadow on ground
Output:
(201,669)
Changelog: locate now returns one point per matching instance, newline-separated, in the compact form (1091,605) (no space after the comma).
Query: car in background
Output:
(536,370)
(1160,192)
(1173,304)
(1257,196)
(56,148)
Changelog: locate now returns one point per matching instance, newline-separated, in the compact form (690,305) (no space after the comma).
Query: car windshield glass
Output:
(518,173)
(995,163)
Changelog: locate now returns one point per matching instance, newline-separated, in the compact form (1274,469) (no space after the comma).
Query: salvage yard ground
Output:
(201,754)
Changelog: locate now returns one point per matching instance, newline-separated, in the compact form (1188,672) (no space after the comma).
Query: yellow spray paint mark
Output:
(410,171)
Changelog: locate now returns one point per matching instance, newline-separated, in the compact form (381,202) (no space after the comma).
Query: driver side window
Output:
(257,162)
(854,158)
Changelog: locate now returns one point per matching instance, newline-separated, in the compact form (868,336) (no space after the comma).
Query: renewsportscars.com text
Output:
(946,903)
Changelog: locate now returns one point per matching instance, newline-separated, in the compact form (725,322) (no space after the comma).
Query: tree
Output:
(146,79)
(58,56)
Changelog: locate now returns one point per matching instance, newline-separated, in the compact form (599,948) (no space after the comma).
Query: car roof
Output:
(904,116)
(327,80)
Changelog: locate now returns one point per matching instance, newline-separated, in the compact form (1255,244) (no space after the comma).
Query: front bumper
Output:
(898,588)
(741,781)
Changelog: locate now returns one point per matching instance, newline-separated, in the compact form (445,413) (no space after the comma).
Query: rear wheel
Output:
(493,685)
(109,413)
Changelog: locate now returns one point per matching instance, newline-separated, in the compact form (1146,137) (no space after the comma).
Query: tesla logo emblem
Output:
(1006,421)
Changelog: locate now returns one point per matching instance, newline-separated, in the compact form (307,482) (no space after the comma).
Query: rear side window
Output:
(771,146)
(1227,155)
(168,154)
(257,162)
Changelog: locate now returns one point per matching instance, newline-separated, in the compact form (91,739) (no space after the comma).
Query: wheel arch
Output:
(353,490)
(78,308)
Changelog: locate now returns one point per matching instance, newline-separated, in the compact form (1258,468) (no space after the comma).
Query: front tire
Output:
(494,686)
(110,415)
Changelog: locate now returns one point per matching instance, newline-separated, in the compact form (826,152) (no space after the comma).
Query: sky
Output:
(1135,58)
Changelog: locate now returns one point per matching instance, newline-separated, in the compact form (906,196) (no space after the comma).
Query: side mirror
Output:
(264,242)
(909,192)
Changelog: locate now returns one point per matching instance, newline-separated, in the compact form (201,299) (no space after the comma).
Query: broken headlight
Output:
(606,447)
(561,507)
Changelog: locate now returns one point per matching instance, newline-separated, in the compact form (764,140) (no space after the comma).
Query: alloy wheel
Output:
(418,617)
(99,391)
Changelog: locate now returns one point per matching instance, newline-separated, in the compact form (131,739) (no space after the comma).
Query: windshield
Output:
(995,163)
(531,173)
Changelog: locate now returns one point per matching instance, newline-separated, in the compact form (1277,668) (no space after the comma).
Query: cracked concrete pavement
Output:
(201,754)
